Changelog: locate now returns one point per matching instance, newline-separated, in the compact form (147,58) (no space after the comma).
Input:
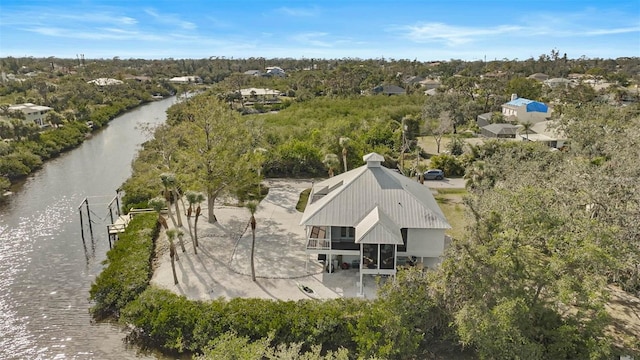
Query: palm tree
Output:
(253,206)
(526,127)
(259,158)
(171,235)
(479,177)
(344,142)
(331,161)
(194,197)
(158,204)
(180,235)
(169,183)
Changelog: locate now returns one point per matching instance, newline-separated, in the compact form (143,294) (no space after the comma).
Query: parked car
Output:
(432,174)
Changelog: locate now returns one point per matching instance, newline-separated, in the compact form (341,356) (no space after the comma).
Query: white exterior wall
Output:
(508,111)
(425,242)
(39,117)
(533,117)
(521,113)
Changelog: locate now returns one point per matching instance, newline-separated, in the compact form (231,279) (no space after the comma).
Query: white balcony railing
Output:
(318,244)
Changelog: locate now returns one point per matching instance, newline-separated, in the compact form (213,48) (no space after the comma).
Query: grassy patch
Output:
(452,205)
(304,198)
(454,191)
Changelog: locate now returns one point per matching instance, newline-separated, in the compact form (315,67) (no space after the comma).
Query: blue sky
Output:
(403,29)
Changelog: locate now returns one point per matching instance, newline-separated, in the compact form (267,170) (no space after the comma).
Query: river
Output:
(45,271)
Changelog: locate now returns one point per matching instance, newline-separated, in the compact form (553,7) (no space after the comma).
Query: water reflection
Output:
(45,270)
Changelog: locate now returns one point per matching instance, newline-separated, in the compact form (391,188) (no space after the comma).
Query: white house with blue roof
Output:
(523,110)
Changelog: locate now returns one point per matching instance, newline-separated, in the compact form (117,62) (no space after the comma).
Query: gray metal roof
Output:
(377,228)
(353,194)
(501,128)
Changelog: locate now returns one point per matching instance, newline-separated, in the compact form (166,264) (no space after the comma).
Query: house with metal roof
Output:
(374,218)
(389,90)
(538,76)
(105,82)
(525,110)
(275,71)
(32,113)
(502,131)
(547,133)
(253,72)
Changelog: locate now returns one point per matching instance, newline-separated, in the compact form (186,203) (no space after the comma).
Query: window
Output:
(387,256)
(347,232)
(403,247)
(318,232)
(370,256)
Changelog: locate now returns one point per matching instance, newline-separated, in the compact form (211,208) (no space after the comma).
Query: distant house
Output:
(374,218)
(105,82)
(494,75)
(139,78)
(484,119)
(389,90)
(255,94)
(275,71)
(412,80)
(253,72)
(539,77)
(430,84)
(431,92)
(546,133)
(33,113)
(525,110)
(558,82)
(499,131)
(186,79)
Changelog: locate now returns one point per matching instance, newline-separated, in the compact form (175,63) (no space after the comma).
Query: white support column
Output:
(395,260)
(361,291)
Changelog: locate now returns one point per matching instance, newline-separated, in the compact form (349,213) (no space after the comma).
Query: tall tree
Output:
(528,259)
(171,235)
(253,206)
(331,162)
(526,128)
(194,198)
(158,204)
(524,88)
(439,127)
(169,182)
(217,152)
(344,142)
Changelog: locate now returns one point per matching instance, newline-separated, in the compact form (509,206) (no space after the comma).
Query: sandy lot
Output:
(222,266)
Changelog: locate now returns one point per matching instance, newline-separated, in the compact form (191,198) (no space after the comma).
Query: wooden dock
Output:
(119,225)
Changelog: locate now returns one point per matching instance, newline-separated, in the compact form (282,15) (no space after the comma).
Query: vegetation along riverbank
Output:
(46,110)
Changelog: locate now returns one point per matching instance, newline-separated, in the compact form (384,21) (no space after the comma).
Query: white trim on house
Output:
(374,212)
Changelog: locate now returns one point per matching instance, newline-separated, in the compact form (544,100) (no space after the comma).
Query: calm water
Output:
(45,271)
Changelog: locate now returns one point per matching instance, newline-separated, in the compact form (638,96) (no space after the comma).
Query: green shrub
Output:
(451,165)
(19,164)
(128,267)
(294,158)
(173,323)
(165,319)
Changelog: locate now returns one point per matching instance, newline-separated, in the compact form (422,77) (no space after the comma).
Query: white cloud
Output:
(299,12)
(455,35)
(170,19)
(312,39)
(128,20)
